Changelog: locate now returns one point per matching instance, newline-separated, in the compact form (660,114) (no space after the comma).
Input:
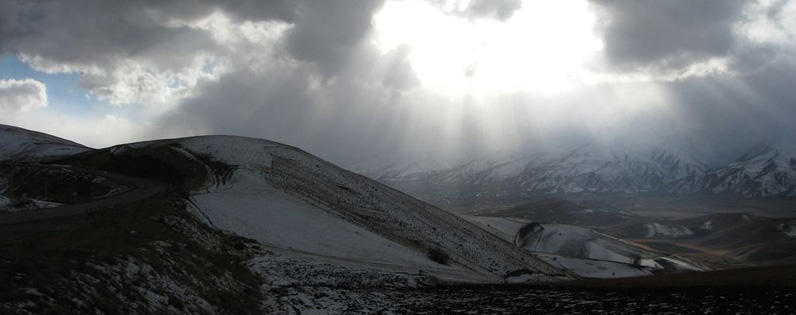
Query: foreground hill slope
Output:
(295,203)
(289,199)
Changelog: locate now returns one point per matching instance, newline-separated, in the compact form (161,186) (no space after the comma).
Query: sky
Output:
(378,81)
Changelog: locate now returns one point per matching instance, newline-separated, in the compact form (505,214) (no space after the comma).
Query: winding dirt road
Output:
(19,225)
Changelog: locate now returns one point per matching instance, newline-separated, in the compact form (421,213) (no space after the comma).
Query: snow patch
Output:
(788,228)
(275,219)
(683,265)
(41,204)
(237,151)
(657,229)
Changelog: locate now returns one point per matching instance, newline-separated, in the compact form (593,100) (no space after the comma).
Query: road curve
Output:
(17,225)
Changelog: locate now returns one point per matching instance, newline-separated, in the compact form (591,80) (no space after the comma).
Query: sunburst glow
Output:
(459,55)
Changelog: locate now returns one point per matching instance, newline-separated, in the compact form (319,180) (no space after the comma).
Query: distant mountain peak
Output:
(762,149)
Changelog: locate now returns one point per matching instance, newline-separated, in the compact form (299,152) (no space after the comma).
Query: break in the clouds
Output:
(367,79)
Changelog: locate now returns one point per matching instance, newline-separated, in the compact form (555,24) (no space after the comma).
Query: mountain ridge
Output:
(759,172)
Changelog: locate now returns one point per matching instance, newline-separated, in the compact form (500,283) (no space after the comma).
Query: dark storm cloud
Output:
(100,32)
(667,35)
(327,33)
(245,102)
(95,32)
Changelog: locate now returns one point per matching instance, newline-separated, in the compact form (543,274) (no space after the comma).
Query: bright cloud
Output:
(542,47)
(21,95)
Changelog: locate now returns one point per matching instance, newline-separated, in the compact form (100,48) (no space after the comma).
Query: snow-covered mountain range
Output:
(762,171)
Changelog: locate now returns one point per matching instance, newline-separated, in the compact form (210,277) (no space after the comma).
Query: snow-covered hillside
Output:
(575,241)
(17,143)
(291,201)
(583,251)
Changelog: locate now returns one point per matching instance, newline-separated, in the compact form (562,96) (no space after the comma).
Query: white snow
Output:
(681,264)
(788,228)
(274,218)
(233,150)
(41,204)
(21,143)
(655,229)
